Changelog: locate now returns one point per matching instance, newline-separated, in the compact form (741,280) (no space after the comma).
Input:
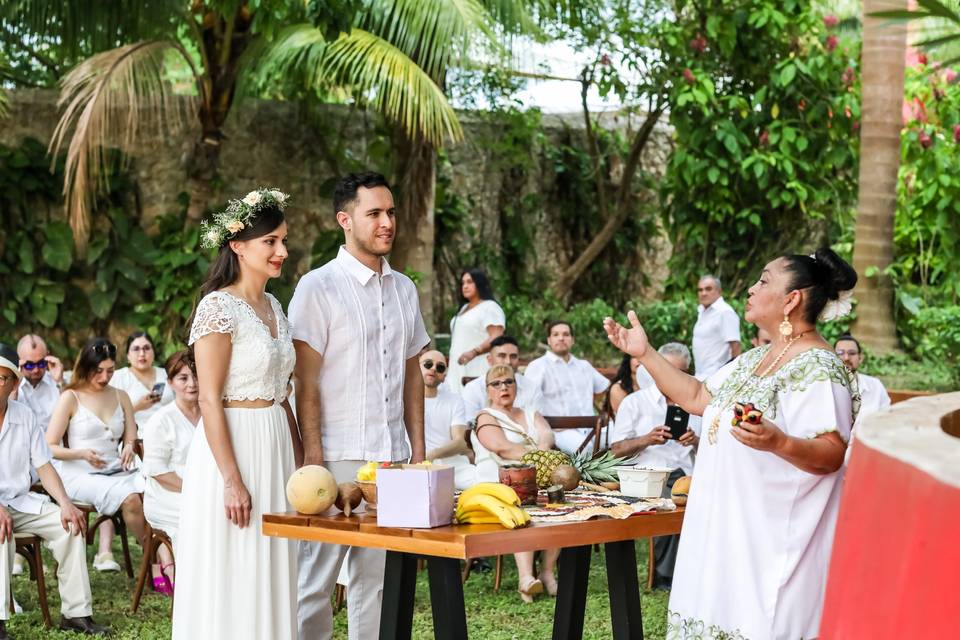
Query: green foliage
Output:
(933,333)
(765,104)
(927,231)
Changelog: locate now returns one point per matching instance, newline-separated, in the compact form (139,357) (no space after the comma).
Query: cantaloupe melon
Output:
(311,489)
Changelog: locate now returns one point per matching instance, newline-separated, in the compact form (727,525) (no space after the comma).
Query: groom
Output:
(358,331)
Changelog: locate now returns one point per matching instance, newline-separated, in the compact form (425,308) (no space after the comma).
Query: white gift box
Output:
(640,482)
(415,496)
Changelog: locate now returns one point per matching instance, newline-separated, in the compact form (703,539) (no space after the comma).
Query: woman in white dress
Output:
(92,433)
(504,433)
(140,379)
(479,321)
(232,581)
(758,528)
(166,441)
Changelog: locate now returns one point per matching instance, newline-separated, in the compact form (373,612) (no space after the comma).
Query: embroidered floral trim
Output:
(679,628)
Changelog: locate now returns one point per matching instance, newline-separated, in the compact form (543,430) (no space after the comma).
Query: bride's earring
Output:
(786,329)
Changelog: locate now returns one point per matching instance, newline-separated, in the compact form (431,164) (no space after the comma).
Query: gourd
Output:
(311,489)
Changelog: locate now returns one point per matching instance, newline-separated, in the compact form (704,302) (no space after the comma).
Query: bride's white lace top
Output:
(260,365)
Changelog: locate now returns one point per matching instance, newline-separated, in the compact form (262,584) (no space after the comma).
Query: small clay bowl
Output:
(369,491)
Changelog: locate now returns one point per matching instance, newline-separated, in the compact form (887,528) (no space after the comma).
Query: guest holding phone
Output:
(144,383)
(652,431)
(92,433)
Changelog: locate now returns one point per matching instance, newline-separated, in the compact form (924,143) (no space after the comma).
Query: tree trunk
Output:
(414,187)
(883,58)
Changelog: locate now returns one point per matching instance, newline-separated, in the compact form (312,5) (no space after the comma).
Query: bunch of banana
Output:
(491,503)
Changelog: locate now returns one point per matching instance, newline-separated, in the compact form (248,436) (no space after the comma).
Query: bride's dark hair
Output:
(225,269)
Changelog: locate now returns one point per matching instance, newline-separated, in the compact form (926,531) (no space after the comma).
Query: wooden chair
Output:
(465,380)
(119,525)
(899,396)
(28,546)
(594,423)
(155,539)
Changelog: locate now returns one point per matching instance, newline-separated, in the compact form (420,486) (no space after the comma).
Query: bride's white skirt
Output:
(231,582)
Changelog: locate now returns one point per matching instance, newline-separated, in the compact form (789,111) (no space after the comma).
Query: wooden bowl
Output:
(369,491)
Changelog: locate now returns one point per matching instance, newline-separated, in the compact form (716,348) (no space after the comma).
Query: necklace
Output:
(715,424)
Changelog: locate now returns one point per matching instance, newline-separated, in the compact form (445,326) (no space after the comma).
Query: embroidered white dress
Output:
(232,582)
(757,532)
(166,441)
(468,329)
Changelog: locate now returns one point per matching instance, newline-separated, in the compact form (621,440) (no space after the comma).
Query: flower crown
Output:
(238,215)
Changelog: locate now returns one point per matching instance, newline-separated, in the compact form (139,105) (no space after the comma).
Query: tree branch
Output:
(586,79)
(13,41)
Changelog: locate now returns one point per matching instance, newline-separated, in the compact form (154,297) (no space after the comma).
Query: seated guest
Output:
(641,436)
(444,423)
(762,338)
(166,441)
(873,395)
(630,377)
(91,423)
(23,450)
(42,375)
(140,379)
(569,386)
(504,434)
(503,350)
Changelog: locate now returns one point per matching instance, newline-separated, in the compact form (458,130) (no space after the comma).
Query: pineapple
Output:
(592,469)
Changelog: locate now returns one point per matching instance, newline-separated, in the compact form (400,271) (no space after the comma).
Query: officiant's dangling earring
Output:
(786,329)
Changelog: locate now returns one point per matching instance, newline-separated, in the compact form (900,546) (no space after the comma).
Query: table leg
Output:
(399,587)
(446,598)
(624,590)
(574,572)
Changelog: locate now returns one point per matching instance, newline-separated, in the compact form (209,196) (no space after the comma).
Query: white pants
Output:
(567,440)
(69,551)
(319,567)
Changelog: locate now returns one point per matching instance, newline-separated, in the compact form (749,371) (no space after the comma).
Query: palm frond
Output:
(119,98)
(434,37)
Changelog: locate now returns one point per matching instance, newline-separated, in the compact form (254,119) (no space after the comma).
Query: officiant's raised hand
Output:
(632,341)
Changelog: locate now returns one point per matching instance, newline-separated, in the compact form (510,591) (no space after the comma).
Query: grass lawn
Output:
(489,616)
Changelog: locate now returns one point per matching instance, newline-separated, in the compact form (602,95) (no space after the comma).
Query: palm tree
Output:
(124,94)
(883,59)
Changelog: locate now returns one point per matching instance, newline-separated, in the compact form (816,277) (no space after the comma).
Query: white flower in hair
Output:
(837,308)
(279,196)
(211,238)
(252,199)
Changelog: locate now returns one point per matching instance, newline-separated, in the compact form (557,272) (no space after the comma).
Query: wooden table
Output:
(444,547)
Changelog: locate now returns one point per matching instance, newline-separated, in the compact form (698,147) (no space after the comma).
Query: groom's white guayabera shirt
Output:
(365,326)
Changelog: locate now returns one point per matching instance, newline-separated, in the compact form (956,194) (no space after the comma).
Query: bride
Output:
(233,582)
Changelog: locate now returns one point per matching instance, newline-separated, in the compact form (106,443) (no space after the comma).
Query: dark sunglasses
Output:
(30,366)
(428,364)
(105,349)
(496,384)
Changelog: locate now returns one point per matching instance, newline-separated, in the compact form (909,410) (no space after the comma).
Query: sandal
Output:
(161,583)
(529,588)
(168,576)
(550,583)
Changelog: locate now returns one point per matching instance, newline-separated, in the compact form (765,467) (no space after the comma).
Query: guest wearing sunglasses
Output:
(444,421)
(504,434)
(90,425)
(144,383)
(42,376)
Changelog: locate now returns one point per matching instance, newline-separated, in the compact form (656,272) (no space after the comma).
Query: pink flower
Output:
(832,42)
(925,140)
(950,76)
(922,58)
(699,43)
(856,125)
(849,76)
(764,138)
(605,60)
(956,133)
(830,21)
(688,76)
(802,106)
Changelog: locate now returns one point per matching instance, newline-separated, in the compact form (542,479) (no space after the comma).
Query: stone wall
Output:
(281,144)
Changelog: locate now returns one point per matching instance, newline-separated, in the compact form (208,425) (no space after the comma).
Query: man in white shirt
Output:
(503,350)
(641,436)
(716,335)
(568,386)
(23,448)
(873,395)
(444,421)
(42,375)
(358,333)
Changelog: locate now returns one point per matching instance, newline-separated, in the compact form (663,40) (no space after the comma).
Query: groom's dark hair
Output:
(345,192)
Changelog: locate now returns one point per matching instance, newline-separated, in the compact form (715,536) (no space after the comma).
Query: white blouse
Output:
(125,380)
(467,330)
(260,365)
(166,441)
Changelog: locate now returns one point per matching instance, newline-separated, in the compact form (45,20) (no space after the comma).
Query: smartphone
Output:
(677,420)
(158,389)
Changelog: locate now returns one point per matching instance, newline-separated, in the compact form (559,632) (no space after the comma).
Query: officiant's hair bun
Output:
(824,275)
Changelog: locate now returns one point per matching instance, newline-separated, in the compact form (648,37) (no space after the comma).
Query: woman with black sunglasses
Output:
(91,433)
